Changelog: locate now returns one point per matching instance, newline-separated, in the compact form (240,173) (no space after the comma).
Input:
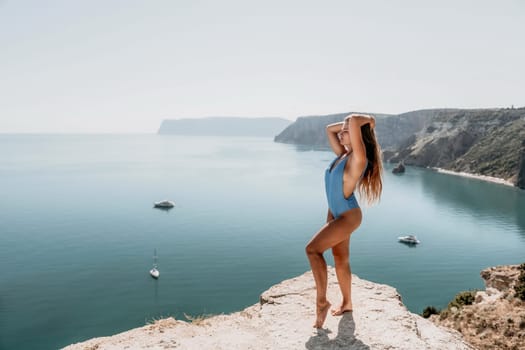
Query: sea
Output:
(78,230)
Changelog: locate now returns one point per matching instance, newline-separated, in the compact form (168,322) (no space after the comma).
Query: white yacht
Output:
(410,239)
(164,204)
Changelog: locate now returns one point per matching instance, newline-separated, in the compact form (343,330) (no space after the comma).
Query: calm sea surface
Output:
(78,231)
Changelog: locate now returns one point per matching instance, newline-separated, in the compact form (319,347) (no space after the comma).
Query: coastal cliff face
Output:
(484,142)
(283,319)
(521,175)
(309,131)
(488,142)
(496,317)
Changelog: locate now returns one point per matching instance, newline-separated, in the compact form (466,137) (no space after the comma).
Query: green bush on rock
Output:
(463,298)
(460,300)
(430,310)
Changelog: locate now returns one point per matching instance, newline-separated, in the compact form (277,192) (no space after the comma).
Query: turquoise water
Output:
(78,230)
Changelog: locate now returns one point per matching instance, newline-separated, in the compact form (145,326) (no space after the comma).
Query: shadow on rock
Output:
(345,338)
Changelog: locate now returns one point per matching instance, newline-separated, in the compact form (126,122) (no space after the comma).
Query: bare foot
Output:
(342,309)
(322,310)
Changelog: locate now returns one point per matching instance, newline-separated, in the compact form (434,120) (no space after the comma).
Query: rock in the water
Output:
(399,169)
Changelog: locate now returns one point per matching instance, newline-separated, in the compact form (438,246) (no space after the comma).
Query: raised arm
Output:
(359,161)
(355,122)
(331,133)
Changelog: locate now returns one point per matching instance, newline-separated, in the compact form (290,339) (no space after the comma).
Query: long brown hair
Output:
(371,184)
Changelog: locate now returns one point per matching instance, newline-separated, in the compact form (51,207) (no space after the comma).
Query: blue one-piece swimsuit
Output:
(333,179)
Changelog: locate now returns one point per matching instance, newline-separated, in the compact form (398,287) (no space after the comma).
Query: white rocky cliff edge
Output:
(284,317)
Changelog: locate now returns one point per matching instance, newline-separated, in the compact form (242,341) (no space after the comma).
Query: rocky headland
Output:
(493,318)
(484,142)
(283,319)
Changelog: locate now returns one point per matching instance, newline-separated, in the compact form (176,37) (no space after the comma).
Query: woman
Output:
(358,165)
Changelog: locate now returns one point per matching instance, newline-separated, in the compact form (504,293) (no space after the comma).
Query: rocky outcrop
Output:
(399,169)
(224,126)
(496,317)
(283,320)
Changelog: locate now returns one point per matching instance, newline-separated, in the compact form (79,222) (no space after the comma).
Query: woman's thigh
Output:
(341,251)
(335,231)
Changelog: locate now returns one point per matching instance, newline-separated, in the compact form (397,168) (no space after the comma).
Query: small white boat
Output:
(164,204)
(154,272)
(410,239)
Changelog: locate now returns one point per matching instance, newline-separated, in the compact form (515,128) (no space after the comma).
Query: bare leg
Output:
(344,276)
(334,232)
(318,265)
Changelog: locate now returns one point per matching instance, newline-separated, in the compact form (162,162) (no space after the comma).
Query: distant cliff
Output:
(487,142)
(224,126)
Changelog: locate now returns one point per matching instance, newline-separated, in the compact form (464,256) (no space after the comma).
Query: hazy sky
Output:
(123,66)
